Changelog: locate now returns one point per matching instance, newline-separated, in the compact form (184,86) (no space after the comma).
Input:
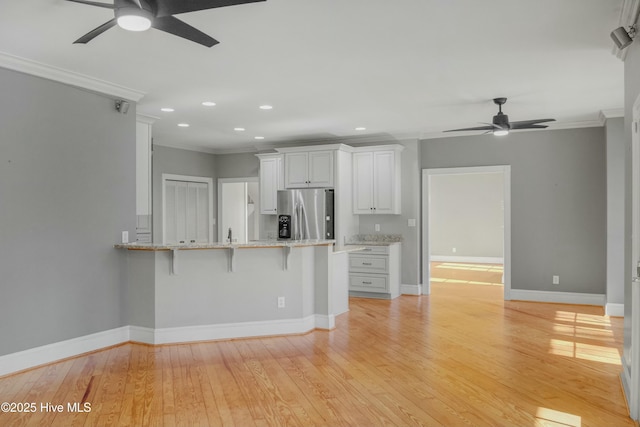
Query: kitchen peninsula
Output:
(220,291)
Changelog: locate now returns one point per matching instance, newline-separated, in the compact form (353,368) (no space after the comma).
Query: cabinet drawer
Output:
(360,282)
(369,264)
(382,250)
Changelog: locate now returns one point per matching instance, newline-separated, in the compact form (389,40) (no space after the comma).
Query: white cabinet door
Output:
(384,182)
(296,165)
(270,183)
(309,169)
(376,179)
(320,169)
(362,183)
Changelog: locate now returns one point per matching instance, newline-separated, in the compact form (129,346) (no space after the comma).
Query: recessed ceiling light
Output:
(167,110)
(208,103)
(266,107)
(183,125)
(258,137)
(361,128)
(239,129)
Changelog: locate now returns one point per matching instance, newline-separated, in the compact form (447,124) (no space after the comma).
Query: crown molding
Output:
(144,118)
(610,114)
(68,77)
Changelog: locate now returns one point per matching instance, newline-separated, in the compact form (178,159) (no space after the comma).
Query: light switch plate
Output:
(125,237)
(411,222)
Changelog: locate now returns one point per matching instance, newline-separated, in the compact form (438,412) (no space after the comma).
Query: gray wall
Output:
(466,214)
(67,191)
(558,201)
(398,224)
(180,162)
(240,165)
(614,130)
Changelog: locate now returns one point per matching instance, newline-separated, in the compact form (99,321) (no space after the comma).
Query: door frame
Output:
(187,178)
(426,246)
(230,180)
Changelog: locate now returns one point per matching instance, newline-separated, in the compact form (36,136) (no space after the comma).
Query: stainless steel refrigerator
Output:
(305,214)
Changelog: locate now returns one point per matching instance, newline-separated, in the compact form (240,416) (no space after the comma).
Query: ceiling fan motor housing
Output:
(501,120)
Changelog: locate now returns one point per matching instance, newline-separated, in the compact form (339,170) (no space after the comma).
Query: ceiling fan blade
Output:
(490,128)
(94,3)
(532,127)
(178,28)
(96,32)
(173,7)
(524,123)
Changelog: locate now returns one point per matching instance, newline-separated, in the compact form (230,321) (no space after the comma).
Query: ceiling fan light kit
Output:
(133,19)
(500,124)
(140,15)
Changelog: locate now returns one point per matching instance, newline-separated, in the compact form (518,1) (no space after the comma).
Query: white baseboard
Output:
(469,259)
(37,356)
(142,335)
(625,379)
(558,297)
(42,355)
(325,322)
(614,309)
(411,289)
(237,330)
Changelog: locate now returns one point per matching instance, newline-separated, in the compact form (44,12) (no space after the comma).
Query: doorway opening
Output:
(238,209)
(467,226)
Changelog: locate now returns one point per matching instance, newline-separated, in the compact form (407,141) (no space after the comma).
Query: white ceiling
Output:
(400,68)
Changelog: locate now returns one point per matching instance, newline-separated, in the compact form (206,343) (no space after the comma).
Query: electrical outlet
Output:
(454,250)
(281,302)
(125,237)
(411,222)
(377,227)
(556,280)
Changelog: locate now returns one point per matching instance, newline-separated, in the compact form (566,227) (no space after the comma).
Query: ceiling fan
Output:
(501,126)
(140,15)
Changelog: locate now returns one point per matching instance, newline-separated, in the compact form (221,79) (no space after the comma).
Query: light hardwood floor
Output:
(460,356)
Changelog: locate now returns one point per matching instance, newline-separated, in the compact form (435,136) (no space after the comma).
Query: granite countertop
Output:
(375,239)
(222,245)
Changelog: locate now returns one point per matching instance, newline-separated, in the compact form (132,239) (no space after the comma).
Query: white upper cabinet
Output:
(309,169)
(271,180)
(376,181)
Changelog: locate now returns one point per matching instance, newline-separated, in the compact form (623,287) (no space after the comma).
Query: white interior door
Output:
(187,210)
(632,352)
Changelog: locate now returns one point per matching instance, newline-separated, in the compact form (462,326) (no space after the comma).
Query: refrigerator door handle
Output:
(299,224)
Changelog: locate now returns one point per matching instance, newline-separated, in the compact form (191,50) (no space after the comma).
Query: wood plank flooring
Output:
(459,357)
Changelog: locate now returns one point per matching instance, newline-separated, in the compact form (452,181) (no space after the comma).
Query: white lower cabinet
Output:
(375,271)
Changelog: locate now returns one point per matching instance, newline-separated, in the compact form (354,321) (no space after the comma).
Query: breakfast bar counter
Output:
(220,291)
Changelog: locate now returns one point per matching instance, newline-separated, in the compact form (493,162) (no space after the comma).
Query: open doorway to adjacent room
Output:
(467,232)
(238,209)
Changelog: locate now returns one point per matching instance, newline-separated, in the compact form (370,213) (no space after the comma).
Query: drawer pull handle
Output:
(366,263)
(367,283)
